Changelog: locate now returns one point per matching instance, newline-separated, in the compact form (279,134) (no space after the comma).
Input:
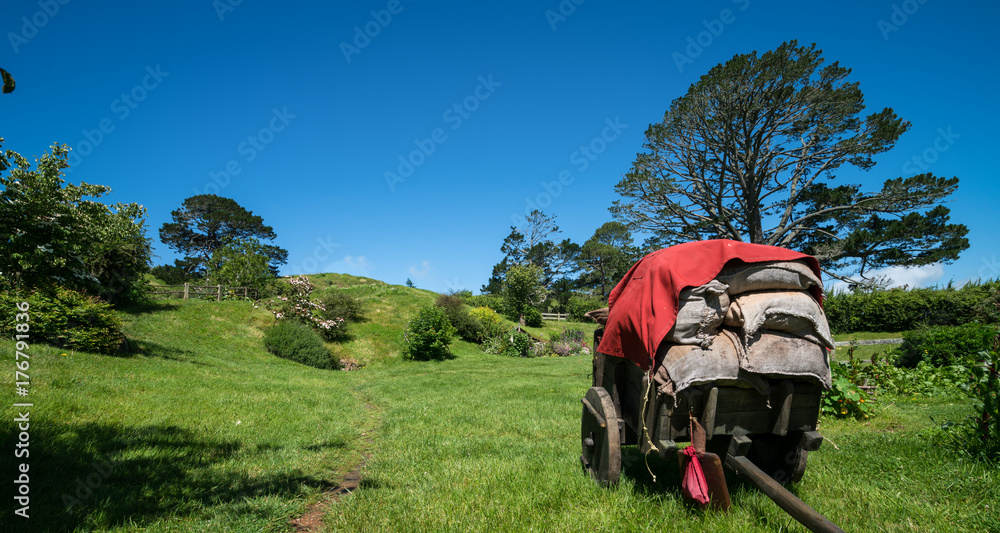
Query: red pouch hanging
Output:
(693,485)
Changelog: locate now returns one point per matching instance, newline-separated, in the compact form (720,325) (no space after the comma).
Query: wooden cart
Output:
(765,439)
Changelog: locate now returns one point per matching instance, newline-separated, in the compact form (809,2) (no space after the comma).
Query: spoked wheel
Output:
(779,457)
(601,457)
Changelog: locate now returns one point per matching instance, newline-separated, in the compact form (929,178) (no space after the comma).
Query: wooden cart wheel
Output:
(601,457)
(779,457)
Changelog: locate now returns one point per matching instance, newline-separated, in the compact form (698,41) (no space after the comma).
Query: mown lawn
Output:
(482,443)
(200,429)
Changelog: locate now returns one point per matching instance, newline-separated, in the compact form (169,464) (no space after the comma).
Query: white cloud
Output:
(911,277)
(425,268)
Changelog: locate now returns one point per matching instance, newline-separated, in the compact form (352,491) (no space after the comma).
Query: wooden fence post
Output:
(185,290)
(218,293)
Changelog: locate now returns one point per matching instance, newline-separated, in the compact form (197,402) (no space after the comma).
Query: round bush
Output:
(465,324)
(341,305)
(428,335)
(532,317)
(943,345)
(491,322)
(298,342)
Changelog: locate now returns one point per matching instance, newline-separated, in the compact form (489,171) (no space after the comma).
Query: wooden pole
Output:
(218,293)
(186,289)
(795,507)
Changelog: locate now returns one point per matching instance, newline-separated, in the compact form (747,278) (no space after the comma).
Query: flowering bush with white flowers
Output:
(297,306)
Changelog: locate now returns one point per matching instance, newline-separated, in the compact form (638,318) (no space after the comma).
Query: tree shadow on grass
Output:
(146,308)
(97,476)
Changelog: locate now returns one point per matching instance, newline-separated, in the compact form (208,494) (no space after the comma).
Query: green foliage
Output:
(922,380)
(942,345)
(428,335)
(50,235)
(207,222)
(240,263)
(66,319)
(409,283)
(465,324)
(845,399)
(522,286)
(293,340)
(569,342)
(581,304)
(708,170)
(496,302)
(901,310)
(532,317)
(512,344)
(606,257)
(172,274)
(491,322)
(297,306)
(979,434)
(340,304)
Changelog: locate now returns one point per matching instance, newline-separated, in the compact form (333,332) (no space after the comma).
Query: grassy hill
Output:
(202,430)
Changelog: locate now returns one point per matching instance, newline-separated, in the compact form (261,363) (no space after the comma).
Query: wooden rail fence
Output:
(555,316)
(188,291)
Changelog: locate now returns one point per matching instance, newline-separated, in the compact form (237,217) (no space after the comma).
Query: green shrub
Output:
(942,345)
(979,434)
(491,322)
(532,317)
(428,335)
(901,310)
(493,301)
(465,324)
(291,339)
(339,304)
(579,305)
(512,344)
(66,319)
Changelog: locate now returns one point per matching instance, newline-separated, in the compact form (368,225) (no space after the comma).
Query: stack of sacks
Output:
(754,321)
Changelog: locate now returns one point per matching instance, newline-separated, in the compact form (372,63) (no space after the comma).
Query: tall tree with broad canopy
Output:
(207,222)
(747,154)
(52,234)
(532,245)
(606,257)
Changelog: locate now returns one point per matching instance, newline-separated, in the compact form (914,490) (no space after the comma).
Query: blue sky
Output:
(298,110)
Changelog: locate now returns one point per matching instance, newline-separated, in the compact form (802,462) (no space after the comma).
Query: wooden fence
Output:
(188,291)
(554,316)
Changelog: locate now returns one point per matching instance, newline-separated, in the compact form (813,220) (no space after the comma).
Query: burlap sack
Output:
(680,366)
(700,314)
(792,312)
(779,354)
(768,275)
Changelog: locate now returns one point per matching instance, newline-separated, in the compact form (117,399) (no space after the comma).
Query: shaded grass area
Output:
(198,429)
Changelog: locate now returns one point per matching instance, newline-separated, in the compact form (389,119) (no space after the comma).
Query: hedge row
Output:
(902,310)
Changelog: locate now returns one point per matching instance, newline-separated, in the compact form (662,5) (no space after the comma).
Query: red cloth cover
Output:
(644,303)
(694,486)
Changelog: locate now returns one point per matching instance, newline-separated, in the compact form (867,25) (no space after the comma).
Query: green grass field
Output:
(202,430)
